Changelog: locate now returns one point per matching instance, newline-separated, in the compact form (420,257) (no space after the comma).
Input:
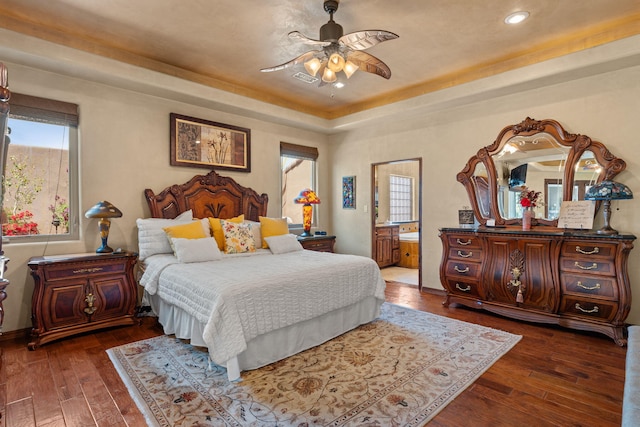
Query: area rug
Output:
(399,370)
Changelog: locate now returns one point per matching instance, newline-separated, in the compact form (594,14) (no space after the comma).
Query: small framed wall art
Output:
(205,144)
(348,192)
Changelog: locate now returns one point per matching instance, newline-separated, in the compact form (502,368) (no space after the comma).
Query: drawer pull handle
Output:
(467,289)
(90,309)
(87,270)
(595,309)
(461,270)
(588,267)
(595,250)
(589,288)
(465,254)
(460,242)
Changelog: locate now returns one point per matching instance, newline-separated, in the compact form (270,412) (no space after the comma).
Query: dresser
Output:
(318,243)
(81,293)
(387,245)
(576,280)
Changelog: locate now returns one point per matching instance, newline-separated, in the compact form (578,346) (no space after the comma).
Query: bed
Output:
(249,309)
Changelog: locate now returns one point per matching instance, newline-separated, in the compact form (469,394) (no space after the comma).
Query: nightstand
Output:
(80,293)
(319,243)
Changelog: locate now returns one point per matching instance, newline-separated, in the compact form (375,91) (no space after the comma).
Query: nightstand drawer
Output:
(318,243)
(70,271)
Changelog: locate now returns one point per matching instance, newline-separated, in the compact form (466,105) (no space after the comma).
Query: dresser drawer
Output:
(388,231)
(463,287)
(589,308)
(589,249)
(605,287)
(468,254)
(591,266)
(463,241)
(86,269)
(463,269)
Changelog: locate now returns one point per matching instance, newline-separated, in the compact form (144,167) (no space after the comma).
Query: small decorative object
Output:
(528,201)
(306,198)
(104,211)
(465,217)
(608,191)
(201,143)
(348,192)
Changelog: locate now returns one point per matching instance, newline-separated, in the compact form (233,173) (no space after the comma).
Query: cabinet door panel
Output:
(62,305)
(112,298)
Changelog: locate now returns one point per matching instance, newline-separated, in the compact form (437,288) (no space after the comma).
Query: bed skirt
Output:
(275,345)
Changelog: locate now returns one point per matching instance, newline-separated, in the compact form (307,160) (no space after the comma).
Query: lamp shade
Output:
(307,197)
(608,190)
(103,209)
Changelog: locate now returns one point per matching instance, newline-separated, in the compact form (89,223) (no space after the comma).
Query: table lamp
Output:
(306,198)
(103,210)
(608,191)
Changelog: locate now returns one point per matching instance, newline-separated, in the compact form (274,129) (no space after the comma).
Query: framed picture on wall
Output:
(348,192)
(205,144)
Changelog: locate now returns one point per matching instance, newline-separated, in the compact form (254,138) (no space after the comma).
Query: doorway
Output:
(396,219)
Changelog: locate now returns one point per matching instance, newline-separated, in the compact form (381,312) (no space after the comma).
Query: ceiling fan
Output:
(339,52)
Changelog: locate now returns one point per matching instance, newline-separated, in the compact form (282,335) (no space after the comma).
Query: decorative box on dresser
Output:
(576,280)
(318,243)
(80,293)
(387,245)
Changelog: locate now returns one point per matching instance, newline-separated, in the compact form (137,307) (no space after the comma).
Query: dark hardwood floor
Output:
(552,377)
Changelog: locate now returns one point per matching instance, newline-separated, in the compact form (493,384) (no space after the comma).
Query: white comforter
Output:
(241,297)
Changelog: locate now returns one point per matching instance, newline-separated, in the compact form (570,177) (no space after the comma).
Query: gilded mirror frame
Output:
(485,193)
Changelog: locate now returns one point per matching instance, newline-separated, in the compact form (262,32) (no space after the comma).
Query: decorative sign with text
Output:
(577,214)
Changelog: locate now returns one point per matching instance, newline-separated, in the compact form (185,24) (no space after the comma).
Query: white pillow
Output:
(283,243)
(153,240)
(196,250)
(257,234)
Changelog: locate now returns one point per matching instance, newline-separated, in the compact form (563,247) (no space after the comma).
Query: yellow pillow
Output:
(272,227)
(216,228)
(190,230)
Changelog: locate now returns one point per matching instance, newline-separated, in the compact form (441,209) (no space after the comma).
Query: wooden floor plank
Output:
(553,376)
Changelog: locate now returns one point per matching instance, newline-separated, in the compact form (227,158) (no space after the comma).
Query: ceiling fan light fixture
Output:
(349,68)
(336,62)
(312,66)
(329,76)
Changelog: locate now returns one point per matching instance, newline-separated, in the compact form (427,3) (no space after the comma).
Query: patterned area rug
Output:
(399,370)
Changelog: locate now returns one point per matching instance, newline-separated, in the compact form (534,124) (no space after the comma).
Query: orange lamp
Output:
(306,198)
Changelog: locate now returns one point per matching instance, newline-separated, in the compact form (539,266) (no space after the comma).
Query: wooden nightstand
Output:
(80,293)
(319,243)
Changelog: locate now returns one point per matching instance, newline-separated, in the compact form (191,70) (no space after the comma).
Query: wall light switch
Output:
(366,208)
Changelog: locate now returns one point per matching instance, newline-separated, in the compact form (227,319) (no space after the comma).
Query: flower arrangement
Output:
(529,198)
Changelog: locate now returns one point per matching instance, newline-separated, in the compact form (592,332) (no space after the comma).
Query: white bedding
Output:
(248,295)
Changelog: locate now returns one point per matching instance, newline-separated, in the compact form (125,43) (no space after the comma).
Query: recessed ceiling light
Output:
(516,17)
(338,85)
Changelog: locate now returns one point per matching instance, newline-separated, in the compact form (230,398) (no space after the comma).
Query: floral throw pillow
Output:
(238,237)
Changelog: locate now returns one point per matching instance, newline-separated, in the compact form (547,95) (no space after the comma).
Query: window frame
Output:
(409,196)
(60,113)
(301,152)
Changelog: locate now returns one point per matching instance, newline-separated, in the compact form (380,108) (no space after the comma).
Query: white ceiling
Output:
(224,43)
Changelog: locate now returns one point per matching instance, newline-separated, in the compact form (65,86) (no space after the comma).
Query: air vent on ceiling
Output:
(305,77)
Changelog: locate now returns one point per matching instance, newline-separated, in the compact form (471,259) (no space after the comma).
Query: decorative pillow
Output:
(196,250)
(284,243)
(190,230)
(238,237)
(152,239)
(272,227)
(255,230)
(216,228)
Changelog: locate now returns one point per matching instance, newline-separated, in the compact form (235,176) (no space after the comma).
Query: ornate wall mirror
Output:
(541,156)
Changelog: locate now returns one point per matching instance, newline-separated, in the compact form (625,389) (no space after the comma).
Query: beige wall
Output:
(124,143)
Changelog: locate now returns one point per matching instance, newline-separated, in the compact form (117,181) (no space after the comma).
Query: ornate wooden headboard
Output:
(209,195)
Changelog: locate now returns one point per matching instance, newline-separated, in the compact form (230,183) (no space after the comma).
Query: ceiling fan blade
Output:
(299,60)
(370,64)
(361,40)
(299,37)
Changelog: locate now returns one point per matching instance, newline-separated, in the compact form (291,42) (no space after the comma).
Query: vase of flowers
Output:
(528,201)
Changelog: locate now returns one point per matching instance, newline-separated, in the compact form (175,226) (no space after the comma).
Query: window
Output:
(400,198)
(298,171)
(40,195)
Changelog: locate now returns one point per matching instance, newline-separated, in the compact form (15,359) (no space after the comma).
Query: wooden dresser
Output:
(387,238)
(576,280)
(80,293)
